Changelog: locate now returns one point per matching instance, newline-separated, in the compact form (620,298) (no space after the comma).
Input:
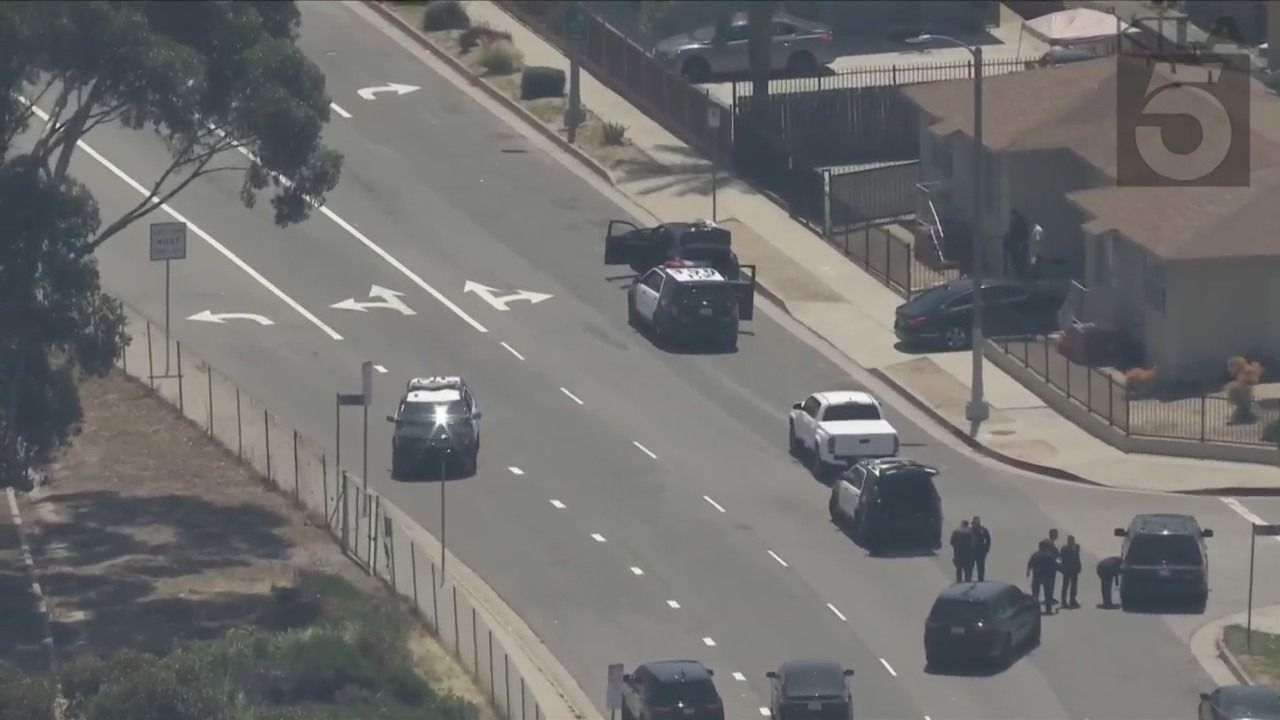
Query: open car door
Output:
(621,242)
(745,286)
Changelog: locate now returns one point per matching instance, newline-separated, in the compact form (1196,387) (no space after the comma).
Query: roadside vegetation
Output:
(1262,660)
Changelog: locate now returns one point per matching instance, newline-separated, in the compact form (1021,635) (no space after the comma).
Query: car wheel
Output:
(931,661)
(1034,639)
(956,338)
(816,465)
(833,507)
(1202,602)
(1006,651)
(633,319)
(797,447)
(802,63)
(1126,602)
(696,70)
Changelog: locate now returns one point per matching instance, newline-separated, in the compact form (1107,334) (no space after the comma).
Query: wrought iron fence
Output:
(371,531)
(888,258)
(895,75)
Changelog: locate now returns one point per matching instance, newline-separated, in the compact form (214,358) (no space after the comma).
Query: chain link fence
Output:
(368,528)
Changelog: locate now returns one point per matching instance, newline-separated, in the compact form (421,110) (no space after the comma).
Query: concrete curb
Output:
(1229,659)
(390,16)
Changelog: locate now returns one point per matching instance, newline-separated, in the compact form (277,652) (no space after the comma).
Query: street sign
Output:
(345,399)
(713,116)
(1266,530)
(168,241)
(574,24)
(366,381)
(613,696)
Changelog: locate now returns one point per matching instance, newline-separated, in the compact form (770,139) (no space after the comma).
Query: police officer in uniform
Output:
(981,546)
(1042,567)
(962,552)
(1108,571)
(1069,563)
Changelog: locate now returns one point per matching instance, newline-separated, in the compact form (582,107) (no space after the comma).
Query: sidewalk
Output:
(830,295)
(1224,666)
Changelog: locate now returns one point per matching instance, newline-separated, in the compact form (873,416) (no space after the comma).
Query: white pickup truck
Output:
(835,429)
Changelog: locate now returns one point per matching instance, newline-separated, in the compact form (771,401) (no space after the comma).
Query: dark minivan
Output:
(888,502)
(811,690)
(943,315)
(1164,558)
(980,621)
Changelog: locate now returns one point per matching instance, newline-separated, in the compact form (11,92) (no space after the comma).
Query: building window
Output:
(1153,282)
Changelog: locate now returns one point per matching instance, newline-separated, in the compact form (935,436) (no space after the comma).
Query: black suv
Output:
(811,690)
(671,689)
(1163,557)
(980,621)
(888,501)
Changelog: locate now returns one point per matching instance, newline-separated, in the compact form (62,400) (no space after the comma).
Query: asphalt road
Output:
(716,544)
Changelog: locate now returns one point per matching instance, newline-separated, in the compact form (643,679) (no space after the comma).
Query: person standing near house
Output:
(962,552)
(981,547)
(1069,564)
(1015,244)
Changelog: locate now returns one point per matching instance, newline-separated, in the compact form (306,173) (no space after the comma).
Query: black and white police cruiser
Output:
(437,419)
(688,301)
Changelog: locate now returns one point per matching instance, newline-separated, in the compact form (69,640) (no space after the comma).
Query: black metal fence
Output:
(888,76)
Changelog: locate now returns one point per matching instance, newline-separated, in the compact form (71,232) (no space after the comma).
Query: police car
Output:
(687,301)
(642,248)
(437,419)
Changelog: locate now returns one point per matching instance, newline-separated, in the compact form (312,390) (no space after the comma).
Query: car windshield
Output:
(1163,550)
(425,412)
(931,299)
(953,610)
(697,692)
(851,411)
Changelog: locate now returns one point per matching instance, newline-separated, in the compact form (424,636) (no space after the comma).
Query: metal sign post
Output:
(713,124)
(366,394)
(1264,531)
(613,693)
(168,243)
(575,29)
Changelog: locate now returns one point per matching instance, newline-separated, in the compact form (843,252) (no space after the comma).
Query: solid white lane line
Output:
(598,537)
(673,604)
(380,369)
(1243,511)
(739,677)
(571,396)
(235,259)
(377,249)
(840,615)
(512,350)
(515,470)
(636,571)
(714,504)
(557,504)
(708,642)
(781,562)
(338,109)
(765,712)
(644,450)
(888,667)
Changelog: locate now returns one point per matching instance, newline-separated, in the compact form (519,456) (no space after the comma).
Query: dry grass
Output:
(148,533)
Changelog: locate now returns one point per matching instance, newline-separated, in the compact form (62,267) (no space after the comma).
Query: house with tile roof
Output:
(1189,274)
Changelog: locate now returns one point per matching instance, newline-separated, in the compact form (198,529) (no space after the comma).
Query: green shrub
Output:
(541,82)
(23,697)
(481,34)
(500,58)
(614,133)
(157,693)
(317,665)
(445,15)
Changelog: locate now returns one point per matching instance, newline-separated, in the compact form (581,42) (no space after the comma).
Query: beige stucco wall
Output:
(1038,184)
(960,182)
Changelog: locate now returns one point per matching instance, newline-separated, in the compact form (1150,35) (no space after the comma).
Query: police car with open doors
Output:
(437,421)
(691,303)
(643,248)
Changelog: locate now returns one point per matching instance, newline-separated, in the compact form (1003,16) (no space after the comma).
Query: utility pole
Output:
(575,28)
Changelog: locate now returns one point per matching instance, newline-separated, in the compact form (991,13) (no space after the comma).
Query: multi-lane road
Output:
(630,504)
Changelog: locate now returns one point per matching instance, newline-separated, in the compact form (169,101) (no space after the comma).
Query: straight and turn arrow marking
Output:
(221,318)
(500,302)
(390,300)
(397,88)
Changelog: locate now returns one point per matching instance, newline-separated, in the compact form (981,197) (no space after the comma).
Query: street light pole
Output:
(977,410)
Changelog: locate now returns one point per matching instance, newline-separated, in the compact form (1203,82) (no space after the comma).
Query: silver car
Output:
(799,47)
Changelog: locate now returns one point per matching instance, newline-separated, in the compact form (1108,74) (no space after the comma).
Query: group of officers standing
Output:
(971,543)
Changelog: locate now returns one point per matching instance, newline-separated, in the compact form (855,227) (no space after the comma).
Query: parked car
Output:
(1164,558)
(888,501)
(980,621)
(670,689)
(836,429)
(647,247)
(943,315)
(811,690)
(1240,702)
(799,47)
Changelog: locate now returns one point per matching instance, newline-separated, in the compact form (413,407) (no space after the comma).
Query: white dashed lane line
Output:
(515,470)
(714,504)
(598,537)
(739,677)
(644,450)
(636,571)
(673,604)
(380,368)
(512,351)
(557,505)
(338,109)
(571,396)
(775,556)
(708,642)
(888,667)
(840,615)
(765,712)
